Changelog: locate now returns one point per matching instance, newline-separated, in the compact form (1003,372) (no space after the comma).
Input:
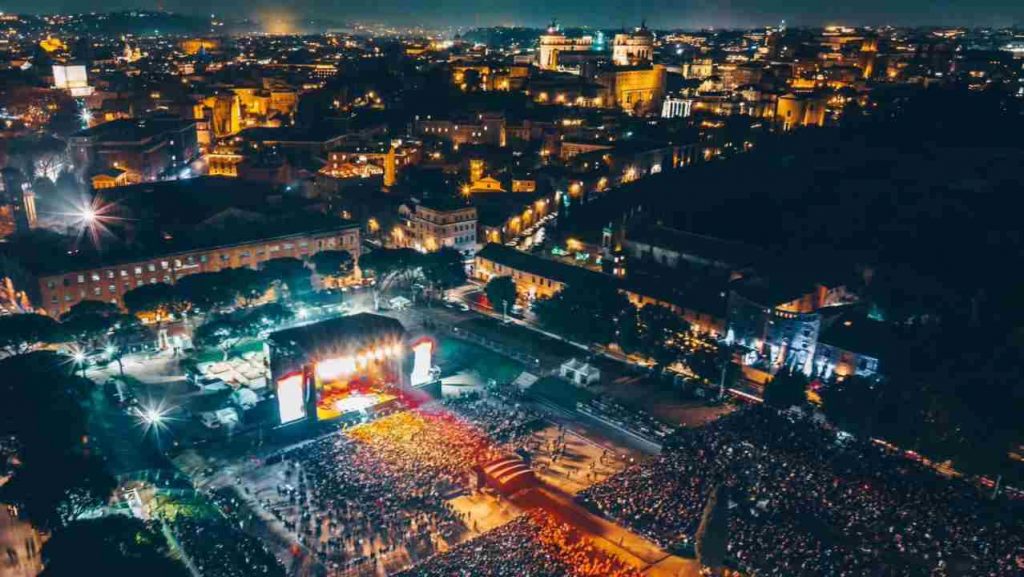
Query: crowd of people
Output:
(216,544)
(501,421)
(435,444)
(535,544)
(351,511)
(808,503)
(216,548)
(379,492)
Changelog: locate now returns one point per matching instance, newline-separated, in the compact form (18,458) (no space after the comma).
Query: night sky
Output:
(605,13)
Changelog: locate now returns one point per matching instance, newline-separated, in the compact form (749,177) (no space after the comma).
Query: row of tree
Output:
(601,314)
(393,268)
(211,291)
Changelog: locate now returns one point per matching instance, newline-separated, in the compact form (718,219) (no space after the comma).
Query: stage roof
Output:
(337,337)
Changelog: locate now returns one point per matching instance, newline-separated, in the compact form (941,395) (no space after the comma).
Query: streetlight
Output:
(87,215)
(152,417)
(79,358)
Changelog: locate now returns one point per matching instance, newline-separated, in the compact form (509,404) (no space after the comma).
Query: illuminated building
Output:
(72,77)
(553,42)
(485,184)
(798,110)
(146,149)
(486,77)
(108,178)
(205,224)
(17,203)
(486,128)
(223,161)
(193,46)
(476,169)
(362,160)
(535,277)
(347,368)
(223,112)
(779,322)
(633,48)
(434,223)
(635,90)
(852,344)
(676,108)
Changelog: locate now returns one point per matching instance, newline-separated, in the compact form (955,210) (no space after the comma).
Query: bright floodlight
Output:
(79,357)
(85,116)
(152,416)
(88,215)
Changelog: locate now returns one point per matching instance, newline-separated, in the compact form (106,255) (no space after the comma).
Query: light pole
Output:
(504,310)
(79,358)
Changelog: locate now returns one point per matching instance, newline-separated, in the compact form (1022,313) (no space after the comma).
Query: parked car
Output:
(209,420)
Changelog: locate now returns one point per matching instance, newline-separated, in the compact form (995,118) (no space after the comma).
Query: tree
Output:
(247,284)
(114,545)
(125,329)
(87,321)
(584,312)
(207,291)
(222,333)
(501,293)
(648,330)
(388,267)
(444,269)
(288,272)
(160,299)
(333,263)
(53,491)
(712,535)
(270,314)
(43,401)
(787,389)
(22,333)
(852,404)
(56,480)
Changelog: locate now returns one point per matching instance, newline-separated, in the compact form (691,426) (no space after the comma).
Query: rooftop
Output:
(550,269)
(164,218)
(855,332)
(133,130)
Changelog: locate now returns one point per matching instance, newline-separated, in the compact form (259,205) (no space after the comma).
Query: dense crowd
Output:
(216,545)
(357,498)
(351,511)
(810,504)
(536,545)
(502,422)
(426,443)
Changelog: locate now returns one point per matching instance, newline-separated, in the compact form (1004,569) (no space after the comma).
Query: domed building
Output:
(633,48)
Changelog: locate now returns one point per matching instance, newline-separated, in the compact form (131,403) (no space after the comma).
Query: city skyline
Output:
(602,14)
